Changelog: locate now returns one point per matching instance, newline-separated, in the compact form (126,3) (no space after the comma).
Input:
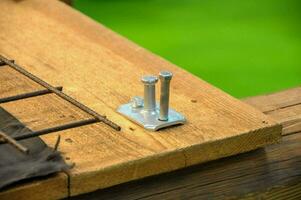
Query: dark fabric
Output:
(15,165)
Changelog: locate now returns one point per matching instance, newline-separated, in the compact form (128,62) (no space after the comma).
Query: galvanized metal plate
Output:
(150,120)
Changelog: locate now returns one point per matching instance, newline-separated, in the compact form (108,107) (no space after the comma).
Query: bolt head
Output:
(165,75)
(137,102)
(149,79)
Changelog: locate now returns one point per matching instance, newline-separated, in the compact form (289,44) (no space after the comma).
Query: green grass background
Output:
(244,47)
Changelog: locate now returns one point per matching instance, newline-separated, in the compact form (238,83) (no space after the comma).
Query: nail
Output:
(149,92)
(165,77)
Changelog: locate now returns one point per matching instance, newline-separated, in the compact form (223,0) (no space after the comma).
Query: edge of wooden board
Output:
(184,156)
(37,189)
(100,179)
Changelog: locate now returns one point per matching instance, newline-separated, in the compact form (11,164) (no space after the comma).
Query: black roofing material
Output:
(15,165)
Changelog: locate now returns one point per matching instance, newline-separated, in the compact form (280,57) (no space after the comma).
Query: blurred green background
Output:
(245,47)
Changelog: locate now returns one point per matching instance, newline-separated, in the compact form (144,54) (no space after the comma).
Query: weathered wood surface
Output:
(13,84)
(284,106)
(276,101)
(273,172)
(102,70)
(52,187)
(44,111)
(37,113)
(270,173)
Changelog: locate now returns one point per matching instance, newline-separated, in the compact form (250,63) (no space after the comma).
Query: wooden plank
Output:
(275,173)
(289,117)
(292,192)
(103,165)
(52,187)
(272,172)
(38,113)
(285,107)
(101,69)
(44,111)
(13,84)
(275,101)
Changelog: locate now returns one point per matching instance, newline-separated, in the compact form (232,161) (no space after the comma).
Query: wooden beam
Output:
(270,173)
(13,84)
(51,187)
(284,106)
(275,101)
(274,171)
(102,70)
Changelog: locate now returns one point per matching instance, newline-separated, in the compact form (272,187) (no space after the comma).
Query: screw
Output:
(165,77)
(149,92)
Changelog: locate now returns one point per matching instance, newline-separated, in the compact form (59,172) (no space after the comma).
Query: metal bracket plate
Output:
(150,120)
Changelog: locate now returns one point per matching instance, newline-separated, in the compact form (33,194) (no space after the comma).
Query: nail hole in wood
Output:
(69,140)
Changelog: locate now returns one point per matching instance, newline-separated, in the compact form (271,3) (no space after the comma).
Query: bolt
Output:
(136,102)
(165,77)
(149,92)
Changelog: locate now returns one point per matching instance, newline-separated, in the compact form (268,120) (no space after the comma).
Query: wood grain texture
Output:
(291,192)
(273,172)
(13,84)
(52,187)
(284,106)
(270,173)
(44,111)
(102,70)
(275,101)
(37,113)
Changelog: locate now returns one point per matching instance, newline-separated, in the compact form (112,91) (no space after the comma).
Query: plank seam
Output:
(283,107)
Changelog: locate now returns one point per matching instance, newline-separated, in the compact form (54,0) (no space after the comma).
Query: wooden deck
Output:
(273,172)
(101,69)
